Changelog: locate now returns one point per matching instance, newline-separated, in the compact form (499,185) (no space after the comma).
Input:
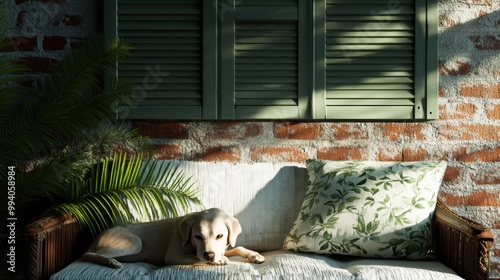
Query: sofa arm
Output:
(461,244)
(52,243)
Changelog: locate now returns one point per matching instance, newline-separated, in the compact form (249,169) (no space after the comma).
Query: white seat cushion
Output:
(376,269)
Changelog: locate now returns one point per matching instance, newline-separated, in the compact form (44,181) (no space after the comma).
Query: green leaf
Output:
(327,235)
(351,199)
(419,206)
(341,207)
(396,242)
(324,247)
(131,190)
(362,182)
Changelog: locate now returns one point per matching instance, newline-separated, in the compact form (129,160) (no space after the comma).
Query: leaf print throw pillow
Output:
(367,208)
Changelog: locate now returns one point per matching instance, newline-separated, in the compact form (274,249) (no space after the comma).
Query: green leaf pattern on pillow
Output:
(371,209)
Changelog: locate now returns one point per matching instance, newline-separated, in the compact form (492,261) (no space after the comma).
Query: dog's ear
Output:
(234,229)
(185,229)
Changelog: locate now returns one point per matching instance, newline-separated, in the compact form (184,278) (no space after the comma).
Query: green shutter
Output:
(279,59)
(264,51)
(375,59)
(167,68)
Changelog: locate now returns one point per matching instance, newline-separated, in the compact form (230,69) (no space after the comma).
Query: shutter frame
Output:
(425,64)
(432,82)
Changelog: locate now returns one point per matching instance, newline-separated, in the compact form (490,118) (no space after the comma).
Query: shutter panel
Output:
(166,69)
(262,78)
(279,59)
(370,57)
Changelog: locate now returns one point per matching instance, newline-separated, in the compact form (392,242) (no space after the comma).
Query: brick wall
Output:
(41,31)
(467,134)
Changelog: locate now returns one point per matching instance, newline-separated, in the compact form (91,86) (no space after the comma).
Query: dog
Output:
(197,238)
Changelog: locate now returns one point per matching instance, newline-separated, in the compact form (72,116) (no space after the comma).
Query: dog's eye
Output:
(198,237)
(220,236)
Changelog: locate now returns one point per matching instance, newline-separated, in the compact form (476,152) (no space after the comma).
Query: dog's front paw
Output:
(255,257)
(114,263)
(223,261)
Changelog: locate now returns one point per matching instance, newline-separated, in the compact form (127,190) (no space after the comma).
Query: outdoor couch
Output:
(299,217)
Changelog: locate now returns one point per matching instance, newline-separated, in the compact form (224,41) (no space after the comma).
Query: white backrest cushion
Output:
(264,197)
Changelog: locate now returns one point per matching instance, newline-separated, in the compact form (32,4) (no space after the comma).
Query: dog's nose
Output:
(209,256)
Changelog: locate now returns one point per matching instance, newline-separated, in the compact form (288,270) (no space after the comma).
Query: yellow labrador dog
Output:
(198,237)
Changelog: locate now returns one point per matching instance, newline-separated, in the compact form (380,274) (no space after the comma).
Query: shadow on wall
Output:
(468,51)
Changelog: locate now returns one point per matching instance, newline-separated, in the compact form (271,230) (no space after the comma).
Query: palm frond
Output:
(70,103)
(128,189)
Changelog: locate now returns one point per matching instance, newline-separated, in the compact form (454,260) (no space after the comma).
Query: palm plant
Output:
(50,136)
(59,137)
(128,189)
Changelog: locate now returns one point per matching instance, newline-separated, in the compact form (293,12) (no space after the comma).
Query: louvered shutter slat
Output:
(266,61)
(369,56)
(171,49)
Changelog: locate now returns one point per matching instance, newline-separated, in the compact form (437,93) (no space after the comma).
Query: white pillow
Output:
(371,209)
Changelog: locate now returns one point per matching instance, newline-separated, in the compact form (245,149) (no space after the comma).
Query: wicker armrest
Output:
(52,243)
(461,244)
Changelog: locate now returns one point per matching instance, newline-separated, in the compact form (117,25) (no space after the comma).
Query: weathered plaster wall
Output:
(467,133)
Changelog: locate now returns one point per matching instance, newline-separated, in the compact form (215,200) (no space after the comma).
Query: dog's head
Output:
(210,232)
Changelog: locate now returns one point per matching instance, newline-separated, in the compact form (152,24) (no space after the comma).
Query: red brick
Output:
(302,131)
(493,112)
(460,68)
(469,132)
(487,177)
(456,111)
(487,154)
(232,154)
(445,21)
(38,64)
(441,92)
(280,154)
(395,131)
(168,151)
(348,131)
(233,130)
(54,43)
(392,131)
(20,43)
(482,13)
(414,155)
(477,2)
(452,175)
(486,43)
(166,130)
(342,153)
(75,42)
(68,20)
(414,131)
(481,91)
(389,154)
(496,253)
(475,198)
